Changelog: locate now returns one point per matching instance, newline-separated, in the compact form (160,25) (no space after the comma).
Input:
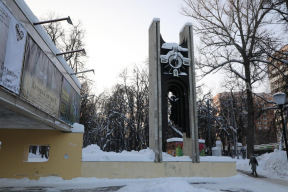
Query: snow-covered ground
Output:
(272,165)
(36,158)
(94,153)
(239,183)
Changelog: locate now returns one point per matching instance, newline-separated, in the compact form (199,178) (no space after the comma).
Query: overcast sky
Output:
(117,32)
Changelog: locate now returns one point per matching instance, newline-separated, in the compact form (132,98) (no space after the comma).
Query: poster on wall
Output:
(12,46)
(70,104)
(41,81)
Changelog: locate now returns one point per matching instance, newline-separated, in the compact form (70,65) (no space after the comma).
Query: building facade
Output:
(278,77)
(39,101)
(265,131)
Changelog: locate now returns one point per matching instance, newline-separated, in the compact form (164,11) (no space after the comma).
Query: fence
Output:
(233,153)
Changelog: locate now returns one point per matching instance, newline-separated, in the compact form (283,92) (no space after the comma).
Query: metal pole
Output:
(284,130)
(73,51)
(208,106)
(235,132)
(54,20)
(234,128)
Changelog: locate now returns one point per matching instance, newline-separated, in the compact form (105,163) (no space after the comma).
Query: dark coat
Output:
(254,163)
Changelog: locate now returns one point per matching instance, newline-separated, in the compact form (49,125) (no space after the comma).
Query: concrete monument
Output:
(172,71)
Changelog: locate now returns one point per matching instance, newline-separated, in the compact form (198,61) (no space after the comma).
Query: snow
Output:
(94,153)
(164,185)
(201,140)
(172,45)
(279,98)
(169,45)
(194,184)
(186,24)
(78,128)
(272,165)
(154,20)
(175,139)
(36,158)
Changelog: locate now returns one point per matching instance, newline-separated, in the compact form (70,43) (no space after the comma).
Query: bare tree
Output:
(67,40)
(231,34)
(280,9)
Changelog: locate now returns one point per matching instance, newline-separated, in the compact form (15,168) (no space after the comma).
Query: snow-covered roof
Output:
(186,24)
(201,140)
(33,19)
(175,139)
(78,128)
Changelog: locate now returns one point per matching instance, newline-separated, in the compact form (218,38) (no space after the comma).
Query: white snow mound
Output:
(94,153)
(171,185)
(273,165)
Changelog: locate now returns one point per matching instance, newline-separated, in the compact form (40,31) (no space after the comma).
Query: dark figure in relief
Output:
(173,101)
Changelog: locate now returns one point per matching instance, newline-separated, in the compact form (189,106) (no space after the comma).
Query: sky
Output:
(117,31)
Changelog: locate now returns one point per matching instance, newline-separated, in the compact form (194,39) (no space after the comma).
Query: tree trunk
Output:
(250,128)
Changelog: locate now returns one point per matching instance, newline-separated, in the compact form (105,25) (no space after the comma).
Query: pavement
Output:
(280,182)
(255,184)
(51,189)
(250,174)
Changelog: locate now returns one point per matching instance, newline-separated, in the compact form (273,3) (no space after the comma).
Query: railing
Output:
(233,153)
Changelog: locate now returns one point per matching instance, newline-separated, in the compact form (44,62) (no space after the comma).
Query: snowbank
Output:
(170,184)
(94,153)
(273,165)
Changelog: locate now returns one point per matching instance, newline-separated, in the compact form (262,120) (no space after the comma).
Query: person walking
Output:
(254,163)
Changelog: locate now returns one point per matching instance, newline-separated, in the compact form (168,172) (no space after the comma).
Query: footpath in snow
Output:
(239,183)
(271,165)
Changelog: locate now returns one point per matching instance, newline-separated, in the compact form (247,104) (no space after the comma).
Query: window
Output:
(36,153)
(264,118)
(259,123)
(265,122)
(260,128)
(0,145)
(265,127)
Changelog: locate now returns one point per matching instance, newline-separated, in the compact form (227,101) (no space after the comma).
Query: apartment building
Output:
(278,77)
(265,131)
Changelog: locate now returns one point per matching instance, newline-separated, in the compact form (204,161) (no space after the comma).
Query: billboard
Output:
(70,104)
(41,80)
(12,46)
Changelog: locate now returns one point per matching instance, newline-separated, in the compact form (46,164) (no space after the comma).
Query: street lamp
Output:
(280,100)
(208,105)
(82,72)
(54,20)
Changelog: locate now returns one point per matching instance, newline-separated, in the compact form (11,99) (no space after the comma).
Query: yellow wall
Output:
(16,141)
(123,170)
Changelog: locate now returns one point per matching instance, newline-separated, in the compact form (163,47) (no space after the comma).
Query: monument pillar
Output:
(172,71)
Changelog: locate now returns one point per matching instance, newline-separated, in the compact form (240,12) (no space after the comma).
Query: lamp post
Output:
(280,100)
(208,108)
(54,20)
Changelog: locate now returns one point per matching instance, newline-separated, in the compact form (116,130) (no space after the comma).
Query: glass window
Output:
(37,153)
